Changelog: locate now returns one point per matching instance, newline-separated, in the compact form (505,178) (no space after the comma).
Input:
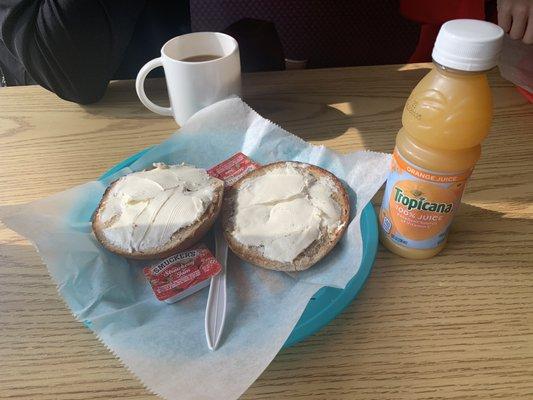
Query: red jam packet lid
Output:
(182,274)
(233,169)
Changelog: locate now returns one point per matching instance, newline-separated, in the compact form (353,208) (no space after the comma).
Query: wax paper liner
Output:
(164,345)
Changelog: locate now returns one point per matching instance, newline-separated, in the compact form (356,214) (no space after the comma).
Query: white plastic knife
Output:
(215,312)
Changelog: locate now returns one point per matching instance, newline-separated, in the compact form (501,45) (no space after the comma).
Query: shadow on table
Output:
(488,241)
(121,102)
(363,105)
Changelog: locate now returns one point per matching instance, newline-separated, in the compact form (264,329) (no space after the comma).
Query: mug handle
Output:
(139,87)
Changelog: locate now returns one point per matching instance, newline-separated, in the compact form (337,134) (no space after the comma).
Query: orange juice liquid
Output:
(445,119)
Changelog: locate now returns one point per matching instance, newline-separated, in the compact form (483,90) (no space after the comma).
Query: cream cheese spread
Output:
(144,209)
(284,211)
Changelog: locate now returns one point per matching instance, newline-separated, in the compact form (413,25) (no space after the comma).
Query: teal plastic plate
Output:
(328,302)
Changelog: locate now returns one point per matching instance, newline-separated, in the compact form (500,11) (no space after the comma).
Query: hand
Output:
(516,18)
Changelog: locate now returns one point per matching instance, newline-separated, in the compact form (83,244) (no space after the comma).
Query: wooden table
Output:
(458,326)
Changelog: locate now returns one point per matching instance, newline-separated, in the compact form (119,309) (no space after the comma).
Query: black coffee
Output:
(201,57)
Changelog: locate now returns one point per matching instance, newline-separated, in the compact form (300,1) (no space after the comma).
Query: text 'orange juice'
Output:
(445,119)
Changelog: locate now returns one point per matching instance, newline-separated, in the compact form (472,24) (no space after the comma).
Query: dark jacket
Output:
(74,47)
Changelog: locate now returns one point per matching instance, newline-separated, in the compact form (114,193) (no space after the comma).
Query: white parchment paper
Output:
(164,345)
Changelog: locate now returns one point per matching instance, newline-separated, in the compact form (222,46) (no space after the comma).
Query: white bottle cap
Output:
(468,45)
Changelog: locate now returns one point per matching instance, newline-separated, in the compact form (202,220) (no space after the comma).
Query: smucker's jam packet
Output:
(189,271)
(182,274)
(233,169)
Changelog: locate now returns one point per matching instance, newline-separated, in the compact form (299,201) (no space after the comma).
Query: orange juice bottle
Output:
(445,119)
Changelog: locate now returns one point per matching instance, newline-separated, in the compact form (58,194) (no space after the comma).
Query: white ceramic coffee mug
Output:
(193,85)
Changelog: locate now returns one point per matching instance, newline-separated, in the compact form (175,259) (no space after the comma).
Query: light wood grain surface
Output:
(458,326)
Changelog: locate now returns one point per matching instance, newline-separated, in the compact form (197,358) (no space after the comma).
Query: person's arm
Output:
(71,47)
(516,18)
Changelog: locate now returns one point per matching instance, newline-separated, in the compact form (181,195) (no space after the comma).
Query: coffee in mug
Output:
(200,58)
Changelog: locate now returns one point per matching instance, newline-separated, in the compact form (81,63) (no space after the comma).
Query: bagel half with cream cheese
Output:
(285,216)
(157,212)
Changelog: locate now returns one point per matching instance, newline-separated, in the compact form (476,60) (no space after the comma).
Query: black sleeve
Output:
(71,47)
